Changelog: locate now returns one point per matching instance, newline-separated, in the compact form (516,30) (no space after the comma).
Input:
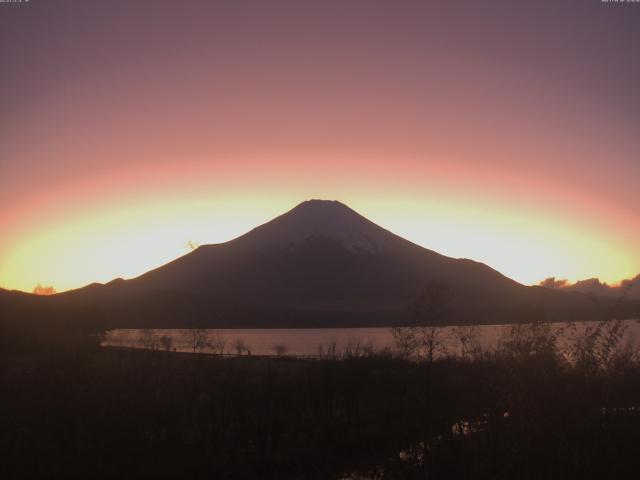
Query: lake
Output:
(315,342)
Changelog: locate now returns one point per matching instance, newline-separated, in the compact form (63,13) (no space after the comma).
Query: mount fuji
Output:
(323,265)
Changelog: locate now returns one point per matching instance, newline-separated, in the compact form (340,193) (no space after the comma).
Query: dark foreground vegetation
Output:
(528,410)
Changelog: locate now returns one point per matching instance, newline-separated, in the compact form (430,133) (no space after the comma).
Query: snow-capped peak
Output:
(323,218)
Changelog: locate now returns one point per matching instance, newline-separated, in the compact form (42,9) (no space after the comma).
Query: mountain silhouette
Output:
(320,264)
(319,253)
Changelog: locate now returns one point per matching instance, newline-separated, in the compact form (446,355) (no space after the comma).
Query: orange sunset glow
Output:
(166,126)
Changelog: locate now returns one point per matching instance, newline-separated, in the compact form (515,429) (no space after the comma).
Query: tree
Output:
(469,338)
(357,347)
(216,343)
(240,346)
(197,339)
(166,341)
(148,339)
(422,337)
(44,290)
(280,349)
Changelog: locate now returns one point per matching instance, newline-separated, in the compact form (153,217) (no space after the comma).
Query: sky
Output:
(502,131)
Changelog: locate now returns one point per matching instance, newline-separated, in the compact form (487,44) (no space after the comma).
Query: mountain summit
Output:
(328,219)
(320,264)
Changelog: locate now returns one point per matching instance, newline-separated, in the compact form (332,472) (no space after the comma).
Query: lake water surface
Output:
(313,342)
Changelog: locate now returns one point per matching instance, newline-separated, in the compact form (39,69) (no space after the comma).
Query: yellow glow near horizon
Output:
(124,243)
(524,248)
(128,242)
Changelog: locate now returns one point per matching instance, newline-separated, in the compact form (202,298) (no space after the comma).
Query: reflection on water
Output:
(313,342)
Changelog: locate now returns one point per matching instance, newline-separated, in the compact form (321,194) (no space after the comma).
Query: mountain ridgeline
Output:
(321,265)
